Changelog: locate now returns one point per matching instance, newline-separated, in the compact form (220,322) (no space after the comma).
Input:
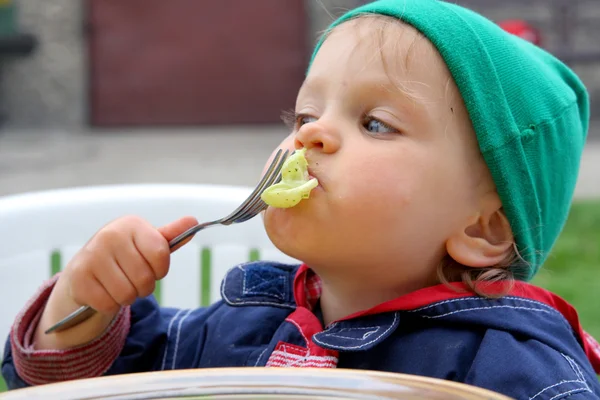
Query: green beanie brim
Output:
(530,113)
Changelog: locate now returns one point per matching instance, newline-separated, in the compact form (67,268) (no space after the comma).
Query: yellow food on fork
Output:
(295,183)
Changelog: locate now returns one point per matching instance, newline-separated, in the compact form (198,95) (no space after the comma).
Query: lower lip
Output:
(319,182)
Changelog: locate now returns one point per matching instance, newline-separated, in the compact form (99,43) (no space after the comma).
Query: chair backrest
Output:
(41,231)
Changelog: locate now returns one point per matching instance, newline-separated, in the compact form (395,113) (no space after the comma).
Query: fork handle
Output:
(190,232)
(84,313)
(78,316)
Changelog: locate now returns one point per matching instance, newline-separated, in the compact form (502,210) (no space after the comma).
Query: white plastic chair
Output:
(41,231)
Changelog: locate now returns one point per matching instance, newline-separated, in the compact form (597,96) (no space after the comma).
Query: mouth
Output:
(313,174)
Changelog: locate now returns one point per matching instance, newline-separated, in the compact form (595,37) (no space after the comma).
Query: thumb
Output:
(176,228)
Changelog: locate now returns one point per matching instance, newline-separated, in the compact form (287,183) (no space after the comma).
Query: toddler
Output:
(446,152)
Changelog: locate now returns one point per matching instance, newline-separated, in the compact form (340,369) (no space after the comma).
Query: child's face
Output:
(398,164)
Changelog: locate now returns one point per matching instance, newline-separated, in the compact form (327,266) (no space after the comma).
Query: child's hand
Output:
(121,262)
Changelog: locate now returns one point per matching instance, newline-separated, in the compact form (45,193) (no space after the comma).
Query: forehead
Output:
(383,46)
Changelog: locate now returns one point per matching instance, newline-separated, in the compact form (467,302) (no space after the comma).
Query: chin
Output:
(289,230)
(279,223)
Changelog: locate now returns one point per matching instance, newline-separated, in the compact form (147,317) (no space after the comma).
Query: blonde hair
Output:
(492,282)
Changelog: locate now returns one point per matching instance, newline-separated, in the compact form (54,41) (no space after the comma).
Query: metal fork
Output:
(251,207)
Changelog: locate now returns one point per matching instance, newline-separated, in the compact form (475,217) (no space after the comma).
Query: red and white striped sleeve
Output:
(37,367)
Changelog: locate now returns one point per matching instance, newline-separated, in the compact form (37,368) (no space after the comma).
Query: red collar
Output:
(307,287)
(307,291)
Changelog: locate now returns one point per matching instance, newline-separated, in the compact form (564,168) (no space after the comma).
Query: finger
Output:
(137,269)
(150,245)
(116,283)
(93,294)
(176,228)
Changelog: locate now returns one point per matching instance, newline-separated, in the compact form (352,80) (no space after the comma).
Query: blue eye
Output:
(375,126)
(304,119)
(295,120)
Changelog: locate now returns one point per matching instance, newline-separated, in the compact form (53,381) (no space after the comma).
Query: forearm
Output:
(59,305)
(39,366)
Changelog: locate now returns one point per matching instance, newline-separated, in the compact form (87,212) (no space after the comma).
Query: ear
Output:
(486,239)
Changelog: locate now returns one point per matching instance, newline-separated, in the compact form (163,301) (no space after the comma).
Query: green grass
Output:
(573,268)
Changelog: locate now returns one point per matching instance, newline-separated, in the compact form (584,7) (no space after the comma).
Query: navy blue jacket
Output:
(527,345)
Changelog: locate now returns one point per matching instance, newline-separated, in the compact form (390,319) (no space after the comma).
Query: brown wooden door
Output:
(192,62)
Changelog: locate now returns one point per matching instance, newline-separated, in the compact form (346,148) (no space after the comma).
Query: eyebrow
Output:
(400,95)
(384,87)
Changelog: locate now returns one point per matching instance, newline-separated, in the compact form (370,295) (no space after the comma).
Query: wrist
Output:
(60,304)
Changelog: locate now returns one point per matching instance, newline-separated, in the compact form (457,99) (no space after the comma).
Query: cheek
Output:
(372,197)
(453,181)
(445,193)
(409,189)
(287,230)
(381,181)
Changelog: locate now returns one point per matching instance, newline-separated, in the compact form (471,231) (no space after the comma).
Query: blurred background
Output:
(190,91)
(122,91)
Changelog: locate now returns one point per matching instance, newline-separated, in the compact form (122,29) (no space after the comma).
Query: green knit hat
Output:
(530,113)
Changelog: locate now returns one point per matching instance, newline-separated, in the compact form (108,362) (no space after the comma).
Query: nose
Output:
(316,135)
